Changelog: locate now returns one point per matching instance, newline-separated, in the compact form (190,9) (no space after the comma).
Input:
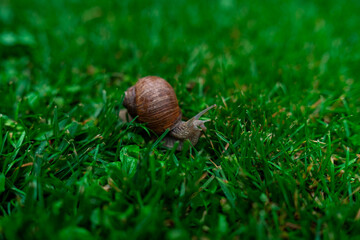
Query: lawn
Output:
(280,157)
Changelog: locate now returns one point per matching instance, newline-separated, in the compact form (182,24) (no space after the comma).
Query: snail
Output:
(154,101)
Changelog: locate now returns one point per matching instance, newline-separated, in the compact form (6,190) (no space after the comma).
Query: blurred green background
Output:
(283,73)
(54,50)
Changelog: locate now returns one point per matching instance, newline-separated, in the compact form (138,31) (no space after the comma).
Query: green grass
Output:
(280,159)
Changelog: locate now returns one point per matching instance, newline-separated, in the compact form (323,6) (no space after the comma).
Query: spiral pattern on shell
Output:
(154,101)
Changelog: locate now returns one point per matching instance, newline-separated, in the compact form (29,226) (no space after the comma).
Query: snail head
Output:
(199,124)
(190,129)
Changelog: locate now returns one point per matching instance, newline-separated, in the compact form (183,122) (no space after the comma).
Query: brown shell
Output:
(154,101)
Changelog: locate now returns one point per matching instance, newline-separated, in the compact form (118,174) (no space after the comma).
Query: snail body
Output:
(154,101)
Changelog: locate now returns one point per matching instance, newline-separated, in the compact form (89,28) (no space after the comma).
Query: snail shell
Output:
(154,101)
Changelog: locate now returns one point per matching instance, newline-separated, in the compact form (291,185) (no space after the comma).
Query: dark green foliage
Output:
(280,159)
